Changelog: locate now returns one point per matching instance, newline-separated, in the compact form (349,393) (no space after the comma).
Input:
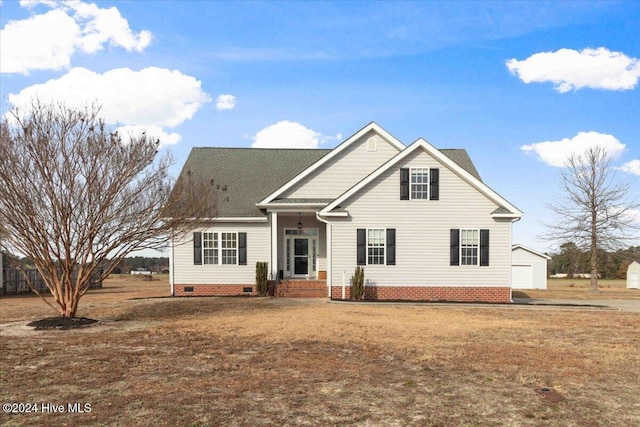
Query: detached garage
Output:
(528,268)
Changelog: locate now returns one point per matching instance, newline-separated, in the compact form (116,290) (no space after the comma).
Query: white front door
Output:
(301,250)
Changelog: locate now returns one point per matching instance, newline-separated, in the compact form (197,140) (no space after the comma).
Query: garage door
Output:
(522,277)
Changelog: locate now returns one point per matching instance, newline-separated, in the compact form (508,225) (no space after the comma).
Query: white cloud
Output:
(570,69)
(226,102)
(48,41)
(556,153)
(286,134)
(632,167)
(151,97)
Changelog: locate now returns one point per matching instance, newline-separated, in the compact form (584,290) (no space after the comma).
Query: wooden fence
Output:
(14,282)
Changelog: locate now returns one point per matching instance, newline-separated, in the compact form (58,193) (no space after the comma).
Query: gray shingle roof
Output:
(248,174)
(461,157)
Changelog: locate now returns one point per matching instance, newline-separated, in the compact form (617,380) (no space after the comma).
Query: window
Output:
(375,245)
(219,248)
(229,246)
(210,248)
(419,183)
(469,245)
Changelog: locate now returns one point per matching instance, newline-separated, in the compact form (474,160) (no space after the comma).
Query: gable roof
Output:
(524,248)
(511,210)
(337,150)
(248,174)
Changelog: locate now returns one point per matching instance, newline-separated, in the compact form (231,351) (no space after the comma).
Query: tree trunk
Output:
(593,287)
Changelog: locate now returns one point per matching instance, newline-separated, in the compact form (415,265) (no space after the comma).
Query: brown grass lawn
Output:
(577,289)
(263,361)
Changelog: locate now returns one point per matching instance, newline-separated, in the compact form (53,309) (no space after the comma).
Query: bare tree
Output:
(76,198)
(594,211)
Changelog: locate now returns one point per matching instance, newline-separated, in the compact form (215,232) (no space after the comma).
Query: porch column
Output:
(328,254)
(274,245)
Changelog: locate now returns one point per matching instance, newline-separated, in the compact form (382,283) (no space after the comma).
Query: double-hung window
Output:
(229,246)
(210,248)
(469,245)
(419,183)
(375,245)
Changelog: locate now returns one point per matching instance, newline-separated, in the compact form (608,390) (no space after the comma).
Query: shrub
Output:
(262,271)
(357,284)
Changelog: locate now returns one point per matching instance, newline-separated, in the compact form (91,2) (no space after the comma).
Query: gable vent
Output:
(372,143)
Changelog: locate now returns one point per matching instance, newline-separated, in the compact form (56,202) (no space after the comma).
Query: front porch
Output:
(298,245)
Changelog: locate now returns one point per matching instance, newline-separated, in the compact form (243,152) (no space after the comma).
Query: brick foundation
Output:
(418,293)
(213,290)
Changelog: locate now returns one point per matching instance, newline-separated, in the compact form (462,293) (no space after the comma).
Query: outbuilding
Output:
(528,268)
(633,276)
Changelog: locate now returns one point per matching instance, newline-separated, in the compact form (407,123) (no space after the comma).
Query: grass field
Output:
(577,289)
(261,361)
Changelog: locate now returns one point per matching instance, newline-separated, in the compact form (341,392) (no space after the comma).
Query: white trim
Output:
(333,153)
(519,246)
(291,206)
(328,252)
(334,214)
(240,219)
(274,245)
(230,219)
(172,264)
(436,154)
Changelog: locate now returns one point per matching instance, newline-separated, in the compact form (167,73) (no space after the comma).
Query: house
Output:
(528,268)
(419,220)
(633,275)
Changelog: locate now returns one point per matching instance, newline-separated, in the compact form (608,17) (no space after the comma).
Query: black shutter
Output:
(404,184)
(454,254)
(484,247)
(391,246)
(362,246)
(197,248)
(242,248)
(434,184)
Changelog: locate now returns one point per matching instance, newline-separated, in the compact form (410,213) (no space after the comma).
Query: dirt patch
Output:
(61,323)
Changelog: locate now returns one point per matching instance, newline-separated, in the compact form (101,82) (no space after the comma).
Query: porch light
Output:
(299,222)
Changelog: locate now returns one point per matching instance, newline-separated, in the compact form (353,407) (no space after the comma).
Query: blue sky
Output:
(520,85)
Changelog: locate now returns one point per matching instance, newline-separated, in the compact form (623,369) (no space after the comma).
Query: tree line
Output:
(126,265)
(572,260)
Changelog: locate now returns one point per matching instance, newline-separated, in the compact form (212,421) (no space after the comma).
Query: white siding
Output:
(535,266)
(422,232)
(258,250)
(345,170)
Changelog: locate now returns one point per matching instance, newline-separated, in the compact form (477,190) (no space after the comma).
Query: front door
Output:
(301,256)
